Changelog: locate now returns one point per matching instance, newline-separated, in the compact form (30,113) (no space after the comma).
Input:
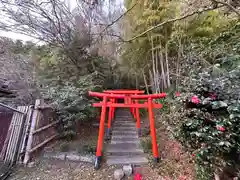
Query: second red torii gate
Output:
(134,110)
(128,97)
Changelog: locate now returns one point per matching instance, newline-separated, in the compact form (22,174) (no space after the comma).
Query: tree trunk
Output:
(145,81)
(158,84)
(137,82)
(151,81)
(167,65)
(177,66)
(162,69)
(153,65)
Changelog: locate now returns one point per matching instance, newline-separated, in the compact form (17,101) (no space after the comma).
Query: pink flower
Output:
(177,94)
(166,178)
(221,128)
(182,178)
(193,155)
(137,176)
(195,100)
(213,96)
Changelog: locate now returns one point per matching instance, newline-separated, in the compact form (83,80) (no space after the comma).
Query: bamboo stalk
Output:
(162,69)
(17,134)
(151,79)
(10,144)
(157,75)
(145,81)
(153,65)
(19,138)
(167,65)
(26,126)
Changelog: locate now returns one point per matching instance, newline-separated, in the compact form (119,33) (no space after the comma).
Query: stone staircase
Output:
(125,147)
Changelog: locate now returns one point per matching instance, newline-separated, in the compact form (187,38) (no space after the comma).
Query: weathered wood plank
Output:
(32,128)
(43,143)
(26,130)
(14,143)
(45,127)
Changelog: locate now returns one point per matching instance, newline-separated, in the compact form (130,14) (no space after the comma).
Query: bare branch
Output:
(120,17)
(116,20)
(228,5)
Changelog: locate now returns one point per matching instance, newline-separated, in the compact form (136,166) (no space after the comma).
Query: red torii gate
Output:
(127,100)
(128,96)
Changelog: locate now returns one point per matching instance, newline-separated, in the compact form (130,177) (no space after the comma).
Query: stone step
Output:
(124,141)
(124,128)
(124,150)
(124,118)
(121,133)
(130,154)
(125,136)
(124,122)
(124,160)
(124,125)
(130,131)
(124,145)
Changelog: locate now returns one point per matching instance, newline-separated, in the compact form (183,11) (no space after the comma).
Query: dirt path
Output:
(63,170)
(50,169)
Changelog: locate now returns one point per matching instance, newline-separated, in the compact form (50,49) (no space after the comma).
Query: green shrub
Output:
(211,128)
(146,144)
(73,104)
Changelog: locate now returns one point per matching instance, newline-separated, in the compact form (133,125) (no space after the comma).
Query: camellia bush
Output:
(204,114)
(73,104)
(211,120)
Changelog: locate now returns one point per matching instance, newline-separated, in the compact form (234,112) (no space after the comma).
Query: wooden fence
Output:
(13,142)
(5,121)
(30,129)
(42,129)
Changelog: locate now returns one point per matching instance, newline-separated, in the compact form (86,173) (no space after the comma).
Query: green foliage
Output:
(146,144)
(210,129)
(66,76)
(72,103)
(207,24)
(203,173)
(146,15)
(200,129)
(210,70)
(89,149)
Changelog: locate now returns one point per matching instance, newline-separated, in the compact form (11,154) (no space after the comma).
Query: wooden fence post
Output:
(35,117)
(25,133)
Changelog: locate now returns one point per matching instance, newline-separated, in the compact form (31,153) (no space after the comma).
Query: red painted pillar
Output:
(153,130)
(113,111)
(125,100)
(134,110)
(109,119)
(138,122)
(101,133)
